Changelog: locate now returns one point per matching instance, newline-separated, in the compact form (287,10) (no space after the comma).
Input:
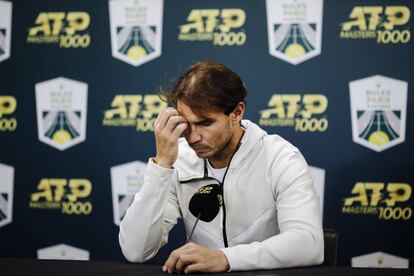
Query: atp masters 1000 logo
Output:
(8,121)
(68,195)
(224,27)
(136,30)
(5,29)
(68,29)
(378,111)
(388,201)
(139,111)
(303,112)
(389,24)
(294,29)
(61,112)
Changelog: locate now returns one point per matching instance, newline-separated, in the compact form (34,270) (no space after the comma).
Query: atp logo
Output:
(6,194)
(294,29)
(387,201)
(139,111)
(5,29)
(61,112)
(378,112)
(136,30)
(7,107)
(389,24)
(126,180)
(68,29)
(68,195)
(306,113)
(223,27)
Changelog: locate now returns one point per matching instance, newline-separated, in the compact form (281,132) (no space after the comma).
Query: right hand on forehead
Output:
(168,127)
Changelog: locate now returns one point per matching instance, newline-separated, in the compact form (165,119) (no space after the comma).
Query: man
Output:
(269,216)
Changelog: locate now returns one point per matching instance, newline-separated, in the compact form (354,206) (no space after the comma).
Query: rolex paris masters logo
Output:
(378,111)
(5,29)
(6,194)
(61,112)
(127,179)
(294,29)
(136,30)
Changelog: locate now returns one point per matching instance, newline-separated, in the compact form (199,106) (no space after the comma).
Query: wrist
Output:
(160,162)
(224,261)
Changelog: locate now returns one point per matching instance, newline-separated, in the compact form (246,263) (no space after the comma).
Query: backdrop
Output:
(78,96)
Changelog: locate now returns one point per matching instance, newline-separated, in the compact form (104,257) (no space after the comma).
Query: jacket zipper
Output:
(222,194)
(222,191)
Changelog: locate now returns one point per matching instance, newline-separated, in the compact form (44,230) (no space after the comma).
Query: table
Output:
(33,267)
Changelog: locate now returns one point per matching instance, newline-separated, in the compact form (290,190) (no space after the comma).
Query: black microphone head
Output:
(206,202)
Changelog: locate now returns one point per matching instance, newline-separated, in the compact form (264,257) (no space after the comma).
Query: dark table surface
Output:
(33,267)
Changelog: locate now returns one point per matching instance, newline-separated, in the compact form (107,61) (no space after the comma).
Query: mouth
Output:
(200,149)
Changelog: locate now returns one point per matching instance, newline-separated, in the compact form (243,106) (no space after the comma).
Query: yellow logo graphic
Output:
(7,107)
(385,24)
(205,190)
(65,29)
(304,113)
(134,110)
(376,198)
(222,27)
(59,193)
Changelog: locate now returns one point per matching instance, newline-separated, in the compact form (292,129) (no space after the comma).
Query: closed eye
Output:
(205,123)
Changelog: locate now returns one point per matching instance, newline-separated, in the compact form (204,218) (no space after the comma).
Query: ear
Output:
(237,114)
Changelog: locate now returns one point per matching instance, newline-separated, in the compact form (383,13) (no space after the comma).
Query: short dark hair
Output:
(208,85)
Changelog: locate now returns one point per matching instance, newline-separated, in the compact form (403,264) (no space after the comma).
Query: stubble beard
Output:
(221,153)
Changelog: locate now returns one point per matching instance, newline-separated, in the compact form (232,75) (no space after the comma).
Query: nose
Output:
(191,135)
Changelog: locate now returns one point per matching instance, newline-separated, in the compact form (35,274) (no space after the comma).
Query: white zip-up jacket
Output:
(272,212)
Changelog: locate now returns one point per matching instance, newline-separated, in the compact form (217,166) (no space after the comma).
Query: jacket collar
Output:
(252,135)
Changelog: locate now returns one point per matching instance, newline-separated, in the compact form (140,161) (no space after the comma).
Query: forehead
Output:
(197,115)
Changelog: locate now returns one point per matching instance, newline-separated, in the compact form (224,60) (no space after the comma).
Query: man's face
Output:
(207,134)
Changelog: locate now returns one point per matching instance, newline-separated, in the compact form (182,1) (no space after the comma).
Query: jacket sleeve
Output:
(154,211)
(300,242)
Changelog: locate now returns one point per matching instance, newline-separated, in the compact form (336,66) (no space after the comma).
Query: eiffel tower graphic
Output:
(136,42)
(62,126)
(295,40)
(3,206)
(379,127)
(2,41)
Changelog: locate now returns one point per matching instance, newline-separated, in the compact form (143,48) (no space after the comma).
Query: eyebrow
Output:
(204,120)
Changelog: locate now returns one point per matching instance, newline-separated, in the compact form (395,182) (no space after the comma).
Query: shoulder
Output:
(277,146)
(285,161)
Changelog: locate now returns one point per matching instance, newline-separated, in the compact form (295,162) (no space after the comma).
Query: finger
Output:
(193,268)
(183,261)
(163,116)
(180,129)
(173,122)
(171,261)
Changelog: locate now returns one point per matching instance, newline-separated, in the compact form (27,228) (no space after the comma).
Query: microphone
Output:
(205,204)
